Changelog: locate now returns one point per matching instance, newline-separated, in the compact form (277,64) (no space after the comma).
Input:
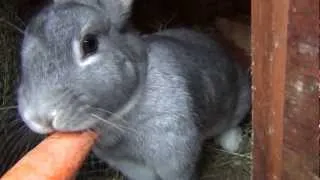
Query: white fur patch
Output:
(126,3)
(231,139)
(53,113)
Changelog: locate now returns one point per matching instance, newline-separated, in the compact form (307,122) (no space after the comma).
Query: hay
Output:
(222,165)
(13,133)
(8,63)
(16,139)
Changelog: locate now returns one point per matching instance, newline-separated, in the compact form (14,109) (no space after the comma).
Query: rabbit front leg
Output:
(130,168)
(168,149)
(173,148)
(134,170)
(181,166)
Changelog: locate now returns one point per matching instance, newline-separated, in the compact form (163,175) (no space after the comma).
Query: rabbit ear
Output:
(117,10)
(61,1)
(124,2)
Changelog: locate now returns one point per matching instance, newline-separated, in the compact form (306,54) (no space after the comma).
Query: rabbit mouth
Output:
(71,113)
(66,112)
(57,121)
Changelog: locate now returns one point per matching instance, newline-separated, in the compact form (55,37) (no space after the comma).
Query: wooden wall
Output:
(285,63)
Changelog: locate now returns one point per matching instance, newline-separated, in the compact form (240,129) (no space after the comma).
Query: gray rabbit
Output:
(153,99)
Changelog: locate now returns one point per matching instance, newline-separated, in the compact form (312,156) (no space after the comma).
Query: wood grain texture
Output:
(285,63)
(269,58)
(301,151)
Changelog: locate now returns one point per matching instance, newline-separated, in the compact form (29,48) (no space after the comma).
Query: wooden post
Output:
(285,66)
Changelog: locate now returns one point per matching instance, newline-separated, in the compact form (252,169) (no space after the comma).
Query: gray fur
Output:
(153,100)
(116,10)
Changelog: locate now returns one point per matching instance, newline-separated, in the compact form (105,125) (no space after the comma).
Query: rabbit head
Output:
(78,68)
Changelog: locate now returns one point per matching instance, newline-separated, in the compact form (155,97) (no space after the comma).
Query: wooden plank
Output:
(285,66)
(301,151)
(269,58)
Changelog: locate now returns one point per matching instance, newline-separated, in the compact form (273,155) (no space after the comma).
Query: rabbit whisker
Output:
(108,122)
(12,25)
(117,126)
(111,113)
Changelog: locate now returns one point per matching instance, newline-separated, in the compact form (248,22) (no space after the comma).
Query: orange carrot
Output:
(58,157)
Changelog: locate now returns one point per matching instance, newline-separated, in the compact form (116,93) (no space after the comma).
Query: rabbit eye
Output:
(89,45)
